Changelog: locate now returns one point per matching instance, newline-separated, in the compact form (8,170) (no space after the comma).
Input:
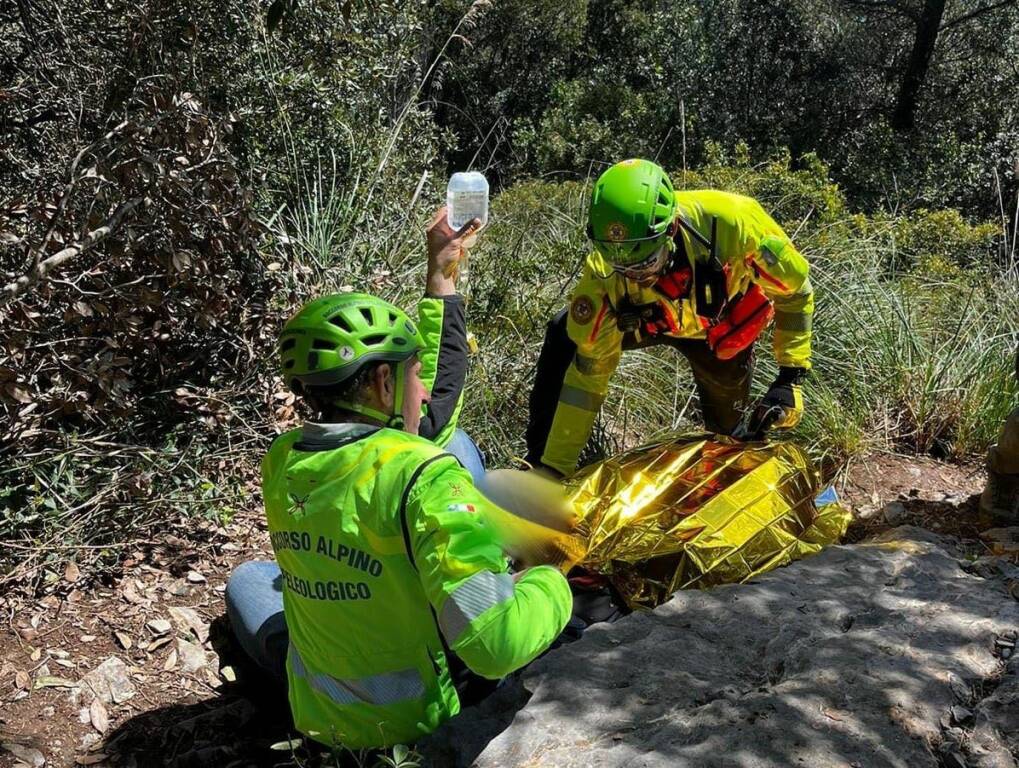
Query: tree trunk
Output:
(927,27)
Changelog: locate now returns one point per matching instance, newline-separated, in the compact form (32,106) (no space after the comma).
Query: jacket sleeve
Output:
(591,325)
(495,625)
(787,283)
(784,276)
(443,325)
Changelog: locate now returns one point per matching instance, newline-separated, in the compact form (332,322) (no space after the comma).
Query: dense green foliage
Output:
(177,176)
(556,86)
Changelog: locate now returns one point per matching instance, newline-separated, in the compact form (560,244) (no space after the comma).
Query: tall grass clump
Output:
(912,362)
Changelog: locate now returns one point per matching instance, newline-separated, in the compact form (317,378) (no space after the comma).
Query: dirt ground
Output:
(141,671)
(189,697)
(934,495)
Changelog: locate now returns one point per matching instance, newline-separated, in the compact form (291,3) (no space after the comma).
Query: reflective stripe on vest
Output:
(480,592)
(380,690)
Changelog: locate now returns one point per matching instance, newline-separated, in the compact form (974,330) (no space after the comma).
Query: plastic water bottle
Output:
(466,199)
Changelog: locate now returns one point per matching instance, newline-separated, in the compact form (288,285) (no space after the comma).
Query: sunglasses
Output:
(646,268)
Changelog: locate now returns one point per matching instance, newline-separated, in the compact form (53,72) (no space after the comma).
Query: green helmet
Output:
(632,209)
(332,338)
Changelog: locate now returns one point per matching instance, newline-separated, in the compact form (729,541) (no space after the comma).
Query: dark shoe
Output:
(1000,498)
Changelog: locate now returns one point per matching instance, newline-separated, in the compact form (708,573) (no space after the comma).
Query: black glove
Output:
(780,408)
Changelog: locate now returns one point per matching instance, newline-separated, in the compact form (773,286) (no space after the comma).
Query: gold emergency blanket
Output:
(696,511)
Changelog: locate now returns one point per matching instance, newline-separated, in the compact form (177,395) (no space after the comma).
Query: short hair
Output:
(323,398)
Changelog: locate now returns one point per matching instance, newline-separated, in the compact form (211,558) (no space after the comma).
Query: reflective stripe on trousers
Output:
(793,321)
(580,398)
(480,592)
(380,690)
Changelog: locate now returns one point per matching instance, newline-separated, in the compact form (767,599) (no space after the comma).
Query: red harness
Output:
(676,284)
(747,316)
(732,324)
(740,323)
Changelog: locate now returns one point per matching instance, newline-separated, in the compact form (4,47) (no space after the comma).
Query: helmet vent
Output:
(312,360)
(393,320)
(367,315)
(289,364)
(288,344)
(399,341)
(340,322)
(371,341)
(323,344)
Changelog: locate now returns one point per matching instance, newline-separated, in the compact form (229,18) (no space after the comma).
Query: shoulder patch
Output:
(771,249)
(582,310)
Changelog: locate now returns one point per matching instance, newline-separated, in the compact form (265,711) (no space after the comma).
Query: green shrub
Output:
(804,194)
(582,126)
(943,244)
(129,374)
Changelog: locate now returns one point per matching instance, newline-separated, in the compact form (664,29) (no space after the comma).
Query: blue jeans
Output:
(254,593)
(254,603)
(461,446)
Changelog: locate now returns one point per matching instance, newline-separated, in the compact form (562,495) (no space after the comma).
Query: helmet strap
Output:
(364,410)
(393,420)
(396,420)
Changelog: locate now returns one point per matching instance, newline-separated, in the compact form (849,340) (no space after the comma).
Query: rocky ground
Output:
(896,649)
(884,653)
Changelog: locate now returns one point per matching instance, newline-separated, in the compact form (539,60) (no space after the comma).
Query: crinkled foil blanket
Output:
(696,511)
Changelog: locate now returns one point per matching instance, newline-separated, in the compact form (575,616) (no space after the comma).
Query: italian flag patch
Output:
(461,508)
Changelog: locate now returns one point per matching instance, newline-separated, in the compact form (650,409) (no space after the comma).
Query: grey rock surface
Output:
(854,657)
(895,512)
(996,736)
(110,681)
(192,656)
(26,756)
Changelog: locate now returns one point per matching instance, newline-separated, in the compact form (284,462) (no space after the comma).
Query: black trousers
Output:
(723,386)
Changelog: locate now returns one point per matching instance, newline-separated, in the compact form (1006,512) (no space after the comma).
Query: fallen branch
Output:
(42,268)
(72,182)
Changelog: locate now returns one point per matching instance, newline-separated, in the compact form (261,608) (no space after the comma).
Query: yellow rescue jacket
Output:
(389,564)
(753,249)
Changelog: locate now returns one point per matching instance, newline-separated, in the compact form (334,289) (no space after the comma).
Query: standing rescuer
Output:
(703,271)
(391,579)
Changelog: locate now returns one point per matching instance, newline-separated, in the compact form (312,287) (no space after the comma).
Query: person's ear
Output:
(384,386)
